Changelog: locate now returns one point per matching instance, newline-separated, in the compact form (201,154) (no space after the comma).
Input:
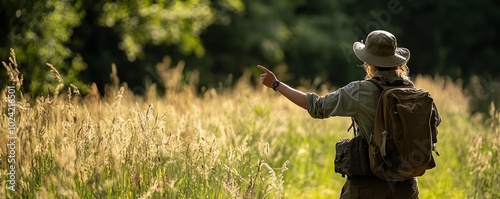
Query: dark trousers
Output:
(372,187)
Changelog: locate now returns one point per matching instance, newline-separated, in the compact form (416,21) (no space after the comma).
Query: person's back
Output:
(370,186)
(358,99)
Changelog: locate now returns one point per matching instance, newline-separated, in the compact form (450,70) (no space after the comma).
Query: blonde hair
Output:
(402,70)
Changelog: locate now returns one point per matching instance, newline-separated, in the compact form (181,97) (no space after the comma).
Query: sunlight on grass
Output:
(245,142)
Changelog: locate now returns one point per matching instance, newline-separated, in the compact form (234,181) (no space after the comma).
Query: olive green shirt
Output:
(357,99)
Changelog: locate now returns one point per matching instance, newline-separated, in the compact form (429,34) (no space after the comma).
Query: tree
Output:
(38,31)
(63,32)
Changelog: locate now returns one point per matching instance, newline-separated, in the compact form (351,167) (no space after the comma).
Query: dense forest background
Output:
(306,39)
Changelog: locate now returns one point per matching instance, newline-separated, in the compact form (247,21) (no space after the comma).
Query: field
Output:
(240,142)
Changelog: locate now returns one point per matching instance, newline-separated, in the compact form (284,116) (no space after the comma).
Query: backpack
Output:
(405,131)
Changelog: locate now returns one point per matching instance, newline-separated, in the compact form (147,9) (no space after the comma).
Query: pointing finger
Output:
(264,69)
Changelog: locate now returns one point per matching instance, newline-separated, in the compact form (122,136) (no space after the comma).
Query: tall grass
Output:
(243,142)
(484,163)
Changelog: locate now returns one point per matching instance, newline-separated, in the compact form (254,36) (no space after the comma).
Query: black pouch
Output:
(351,157)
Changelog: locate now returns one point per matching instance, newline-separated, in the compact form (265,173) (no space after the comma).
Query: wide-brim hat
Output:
(380,49)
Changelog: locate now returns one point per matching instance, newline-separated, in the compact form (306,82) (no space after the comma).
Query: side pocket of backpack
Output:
(342,157)
(351,157)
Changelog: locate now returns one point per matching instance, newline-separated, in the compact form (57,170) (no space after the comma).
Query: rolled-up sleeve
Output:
(342,102)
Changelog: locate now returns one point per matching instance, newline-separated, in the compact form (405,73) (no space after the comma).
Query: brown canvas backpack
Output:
(405,131)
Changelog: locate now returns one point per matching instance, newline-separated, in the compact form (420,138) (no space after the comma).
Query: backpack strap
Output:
(376,82)
(357,132)
(354,126)
(383,83)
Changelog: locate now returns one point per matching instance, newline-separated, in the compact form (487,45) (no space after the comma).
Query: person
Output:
(382,58)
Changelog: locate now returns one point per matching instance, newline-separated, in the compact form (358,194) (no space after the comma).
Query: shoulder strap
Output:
(376,82)
(383,84)
(354,126)
(357,130)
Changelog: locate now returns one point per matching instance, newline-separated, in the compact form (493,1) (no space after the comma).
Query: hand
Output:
(267,78)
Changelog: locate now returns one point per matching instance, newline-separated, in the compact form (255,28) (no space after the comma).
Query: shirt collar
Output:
(390,76)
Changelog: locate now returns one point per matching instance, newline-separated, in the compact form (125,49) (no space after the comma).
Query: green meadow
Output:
(240,142)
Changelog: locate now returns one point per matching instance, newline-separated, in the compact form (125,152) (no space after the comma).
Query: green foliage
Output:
(39,31)
(321,30)
(63,33)
(160,23)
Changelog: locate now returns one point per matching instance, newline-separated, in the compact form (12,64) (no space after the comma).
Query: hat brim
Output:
(401,56)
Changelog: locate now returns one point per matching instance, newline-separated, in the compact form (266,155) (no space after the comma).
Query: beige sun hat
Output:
(380,49)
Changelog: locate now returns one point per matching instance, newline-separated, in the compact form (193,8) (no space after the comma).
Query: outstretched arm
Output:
(268,78)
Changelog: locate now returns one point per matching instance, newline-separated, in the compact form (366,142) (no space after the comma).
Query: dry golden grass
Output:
(243,142)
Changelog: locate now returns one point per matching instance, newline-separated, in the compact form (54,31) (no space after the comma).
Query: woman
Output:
(358,99)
